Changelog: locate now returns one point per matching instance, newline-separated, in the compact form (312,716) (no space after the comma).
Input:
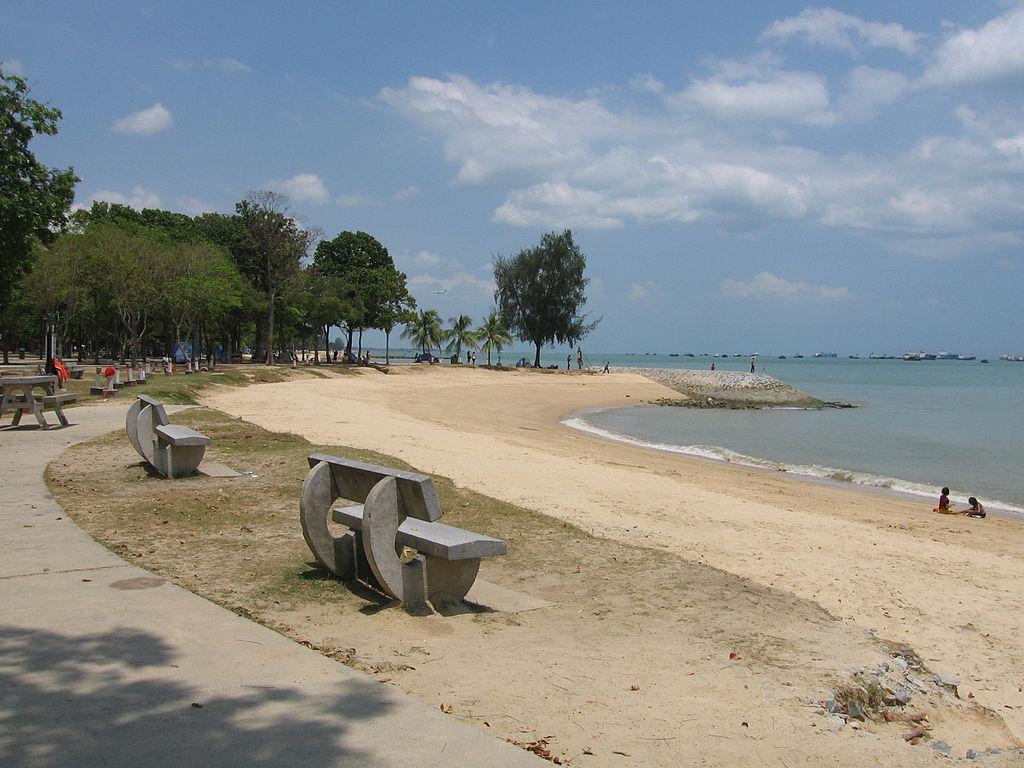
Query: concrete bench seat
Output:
(63,398)
(177,435)
(434,539)
(172,449)
(389,509)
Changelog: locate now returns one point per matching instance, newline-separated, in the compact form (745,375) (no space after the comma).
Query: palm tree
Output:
(424,330)
(493,334)
(460,335)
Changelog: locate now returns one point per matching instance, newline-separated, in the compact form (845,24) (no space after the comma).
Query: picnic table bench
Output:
(391,509)
(173,450)
(17,393)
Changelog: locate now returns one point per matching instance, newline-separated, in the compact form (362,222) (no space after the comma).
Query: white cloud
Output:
(427,258)
(647,83)
(354,200)
(410,192)
(992,52)
(462,282)
(503,130)
(674,164)
(643,291)
(1011,145)
(229,65)
(768,286)
(147,121)
(193,206)
(800,97)
(138,198)
(830,28)
(13,67)
(303,188)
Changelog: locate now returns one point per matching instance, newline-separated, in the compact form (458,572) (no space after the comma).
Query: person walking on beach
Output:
(712,366)
(753,362)
(606,367)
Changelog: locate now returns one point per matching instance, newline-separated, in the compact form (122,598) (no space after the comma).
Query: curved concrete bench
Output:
(173,450)
(398,509)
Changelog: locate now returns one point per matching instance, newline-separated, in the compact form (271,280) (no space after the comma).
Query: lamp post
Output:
(51,344)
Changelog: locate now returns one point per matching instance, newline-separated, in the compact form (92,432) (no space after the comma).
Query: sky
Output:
(742,176)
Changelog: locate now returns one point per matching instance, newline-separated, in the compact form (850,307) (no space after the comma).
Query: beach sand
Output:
(951,588)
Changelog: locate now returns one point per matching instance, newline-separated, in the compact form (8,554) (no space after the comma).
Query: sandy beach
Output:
(950,588)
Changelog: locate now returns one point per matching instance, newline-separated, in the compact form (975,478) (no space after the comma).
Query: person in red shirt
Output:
(943,507)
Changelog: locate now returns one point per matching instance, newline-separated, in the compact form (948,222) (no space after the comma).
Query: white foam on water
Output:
(717,453)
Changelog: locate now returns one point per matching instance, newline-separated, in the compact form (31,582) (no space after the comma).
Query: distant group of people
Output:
(579,360)
(974,510)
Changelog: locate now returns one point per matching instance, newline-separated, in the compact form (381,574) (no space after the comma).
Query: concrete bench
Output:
(172,449)
(392,509)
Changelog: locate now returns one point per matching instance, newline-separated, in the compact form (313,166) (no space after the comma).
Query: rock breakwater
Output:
(728,389)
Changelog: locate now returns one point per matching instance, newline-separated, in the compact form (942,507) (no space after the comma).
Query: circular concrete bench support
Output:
(336,554)
(381,519)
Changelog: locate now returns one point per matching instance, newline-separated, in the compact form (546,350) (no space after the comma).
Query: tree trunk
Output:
(536,359)
(488,357)
(360,343)
(387,347)
(270,333)
(327,344)
(348,344)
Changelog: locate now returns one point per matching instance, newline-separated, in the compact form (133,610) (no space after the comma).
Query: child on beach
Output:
(944,503)
(975,510)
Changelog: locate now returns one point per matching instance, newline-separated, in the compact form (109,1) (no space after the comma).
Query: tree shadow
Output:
(111,699)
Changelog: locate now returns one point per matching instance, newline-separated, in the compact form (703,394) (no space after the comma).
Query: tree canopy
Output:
(541,291)
(34,199)
(377,292)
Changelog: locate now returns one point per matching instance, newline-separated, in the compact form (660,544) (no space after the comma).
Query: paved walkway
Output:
(104,664)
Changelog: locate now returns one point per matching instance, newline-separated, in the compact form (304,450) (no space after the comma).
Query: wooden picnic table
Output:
(18,394)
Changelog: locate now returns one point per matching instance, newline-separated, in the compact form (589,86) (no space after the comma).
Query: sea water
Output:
(917,426)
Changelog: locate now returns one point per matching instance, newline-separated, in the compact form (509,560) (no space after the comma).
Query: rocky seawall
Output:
(728,389)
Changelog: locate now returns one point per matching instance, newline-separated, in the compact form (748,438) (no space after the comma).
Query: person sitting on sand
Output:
(975,510)
(943,507)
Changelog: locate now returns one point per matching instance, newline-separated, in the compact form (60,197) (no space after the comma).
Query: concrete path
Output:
(105,664)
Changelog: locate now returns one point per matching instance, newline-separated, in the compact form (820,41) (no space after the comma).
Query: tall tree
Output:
(376,287)
(424,330)
(34,199)
(492,334)
(460,335)
(396,307)
(276,244)
(541,292)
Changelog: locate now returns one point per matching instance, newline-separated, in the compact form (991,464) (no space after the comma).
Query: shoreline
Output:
(996,508)
(894,569)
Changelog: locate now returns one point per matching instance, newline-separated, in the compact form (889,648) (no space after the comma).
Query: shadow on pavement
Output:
(92,700)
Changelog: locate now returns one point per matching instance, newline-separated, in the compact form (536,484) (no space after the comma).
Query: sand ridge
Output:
(949,587)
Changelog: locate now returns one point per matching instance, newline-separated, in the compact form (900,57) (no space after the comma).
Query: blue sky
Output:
(741,176)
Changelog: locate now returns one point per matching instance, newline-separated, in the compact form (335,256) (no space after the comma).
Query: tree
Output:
(378,293)
(395,309)
(492,334)
(459,335)
(424,330)
(33,198)
(276,246)
(541,292)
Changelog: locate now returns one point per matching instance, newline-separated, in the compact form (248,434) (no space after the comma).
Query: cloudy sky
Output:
(741,175)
